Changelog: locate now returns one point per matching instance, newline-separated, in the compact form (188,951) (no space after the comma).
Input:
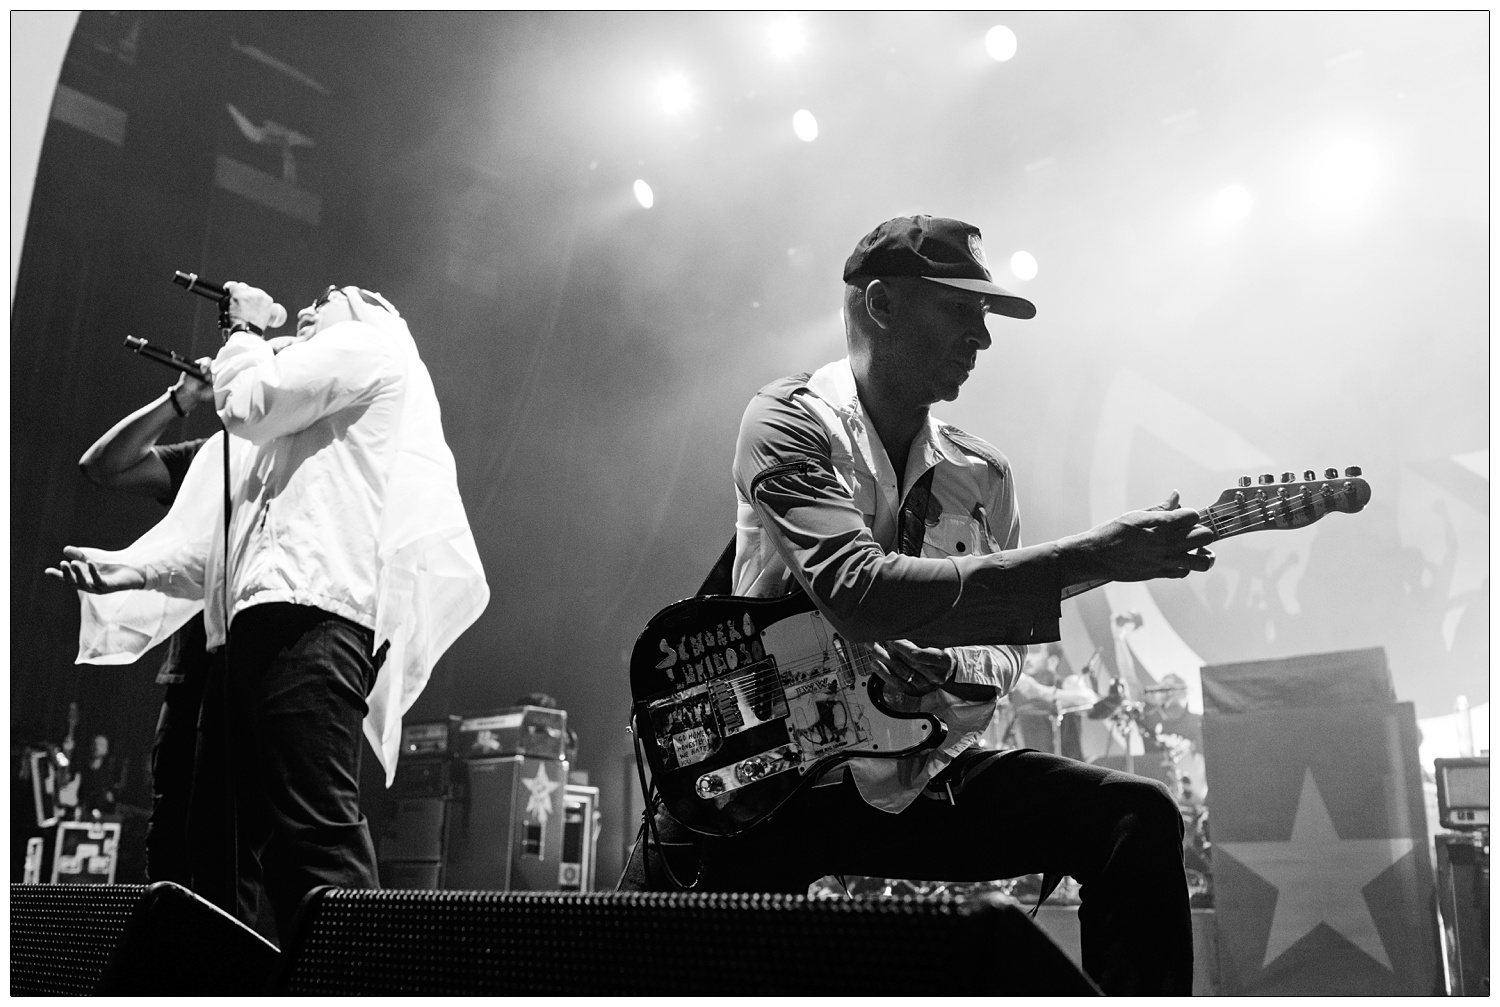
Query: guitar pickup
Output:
(747,771)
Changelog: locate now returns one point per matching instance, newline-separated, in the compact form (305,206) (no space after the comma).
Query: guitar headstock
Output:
(1267,504)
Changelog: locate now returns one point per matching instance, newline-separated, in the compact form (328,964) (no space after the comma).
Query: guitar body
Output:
(740,702)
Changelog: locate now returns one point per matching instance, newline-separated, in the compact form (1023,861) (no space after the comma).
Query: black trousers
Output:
(173,760)
(1022,812)
(288,722)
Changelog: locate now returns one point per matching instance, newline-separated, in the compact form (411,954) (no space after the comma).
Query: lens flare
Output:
(805,125)
(1023,265)
(1000,43)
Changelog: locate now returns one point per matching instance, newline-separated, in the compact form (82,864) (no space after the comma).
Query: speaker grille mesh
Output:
(61,936)
(394,942)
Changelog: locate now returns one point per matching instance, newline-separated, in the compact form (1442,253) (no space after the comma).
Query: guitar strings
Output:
(1258,512)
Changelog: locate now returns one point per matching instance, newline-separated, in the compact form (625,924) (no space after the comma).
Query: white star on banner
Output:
(1320,878)
(540,801)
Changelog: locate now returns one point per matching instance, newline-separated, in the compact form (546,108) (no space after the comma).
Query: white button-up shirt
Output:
(819,504)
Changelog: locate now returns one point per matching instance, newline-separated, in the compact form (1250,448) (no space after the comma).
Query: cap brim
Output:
(997,299)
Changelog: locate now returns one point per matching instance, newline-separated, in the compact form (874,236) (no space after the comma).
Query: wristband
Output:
(244,326)
(176,406)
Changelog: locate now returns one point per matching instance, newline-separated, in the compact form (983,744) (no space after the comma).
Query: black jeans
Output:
(1023,812)
(297,679)
(173,758)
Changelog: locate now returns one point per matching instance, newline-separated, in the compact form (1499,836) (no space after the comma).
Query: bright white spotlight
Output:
(805,125)
(1345,174)
(787,37)
(1230,205)
(674,94)
(1023,265)
(643,194)
(1000,43)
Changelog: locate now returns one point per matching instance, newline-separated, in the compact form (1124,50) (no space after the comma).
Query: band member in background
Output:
(129,457)
(1048,694)
(351,569)
(904,532)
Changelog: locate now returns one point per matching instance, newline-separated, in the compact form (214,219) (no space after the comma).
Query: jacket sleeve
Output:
(262,395)
(783,466)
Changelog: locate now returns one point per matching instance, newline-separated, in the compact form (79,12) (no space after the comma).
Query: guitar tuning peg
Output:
(1310,476)
(1243,481)
(1287,477)
(1267,478)
(1330,473)
(1352,471)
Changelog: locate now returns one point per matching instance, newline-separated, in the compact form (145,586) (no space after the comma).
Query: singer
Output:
(350,570)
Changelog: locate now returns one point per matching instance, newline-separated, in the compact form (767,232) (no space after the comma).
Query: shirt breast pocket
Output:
(953,535)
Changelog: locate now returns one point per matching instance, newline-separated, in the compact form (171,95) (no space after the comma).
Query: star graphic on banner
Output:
(1320,878)
(540,801)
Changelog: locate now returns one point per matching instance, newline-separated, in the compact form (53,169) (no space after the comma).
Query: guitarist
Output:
(904,532)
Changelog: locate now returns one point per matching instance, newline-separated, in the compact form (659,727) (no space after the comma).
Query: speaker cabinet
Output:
(506,834)
(1463,867)
(631,943)
(159,939)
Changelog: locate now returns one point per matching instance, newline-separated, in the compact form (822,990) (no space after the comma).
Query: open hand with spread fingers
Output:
(80,568)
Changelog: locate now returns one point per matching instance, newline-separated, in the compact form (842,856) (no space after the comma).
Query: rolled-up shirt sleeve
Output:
(783,466)
(262,395)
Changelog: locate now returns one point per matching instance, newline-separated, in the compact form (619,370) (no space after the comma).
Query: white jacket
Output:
(345,498)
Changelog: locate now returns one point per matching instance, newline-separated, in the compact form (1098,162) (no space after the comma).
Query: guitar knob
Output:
(1243,481)
(1310,476)
(1267,478)
(1287,477)
(1330,473)
(1352,471)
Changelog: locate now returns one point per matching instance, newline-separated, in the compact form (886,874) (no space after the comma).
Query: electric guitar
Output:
(740,702)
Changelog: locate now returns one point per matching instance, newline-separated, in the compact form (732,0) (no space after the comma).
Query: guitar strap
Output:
(911,523)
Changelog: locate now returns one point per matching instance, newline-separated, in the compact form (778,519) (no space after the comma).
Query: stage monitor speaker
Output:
(122,940)
(627,943)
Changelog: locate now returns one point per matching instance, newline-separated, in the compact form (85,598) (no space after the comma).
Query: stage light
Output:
(1000,43)
(643,194)
(787,37)
(674,94)
(805,125)
(1023,265)
(1345,174)
(1229,206)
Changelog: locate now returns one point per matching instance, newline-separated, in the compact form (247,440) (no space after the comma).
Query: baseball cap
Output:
(938,249)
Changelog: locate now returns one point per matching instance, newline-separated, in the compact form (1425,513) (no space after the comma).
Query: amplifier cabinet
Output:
(1463,867)
(533,731)
(506,832)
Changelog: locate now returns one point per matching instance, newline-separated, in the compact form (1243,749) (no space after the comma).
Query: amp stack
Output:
(480,802)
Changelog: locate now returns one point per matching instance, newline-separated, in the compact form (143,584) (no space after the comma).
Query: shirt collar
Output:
(834,384)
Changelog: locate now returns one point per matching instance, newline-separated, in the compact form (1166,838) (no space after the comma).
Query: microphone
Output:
(195,284)
(168,358)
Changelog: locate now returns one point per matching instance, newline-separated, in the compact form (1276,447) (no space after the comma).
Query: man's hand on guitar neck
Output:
(1161,541)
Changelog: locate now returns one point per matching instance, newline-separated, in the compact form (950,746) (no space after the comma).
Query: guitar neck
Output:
(1271,507)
